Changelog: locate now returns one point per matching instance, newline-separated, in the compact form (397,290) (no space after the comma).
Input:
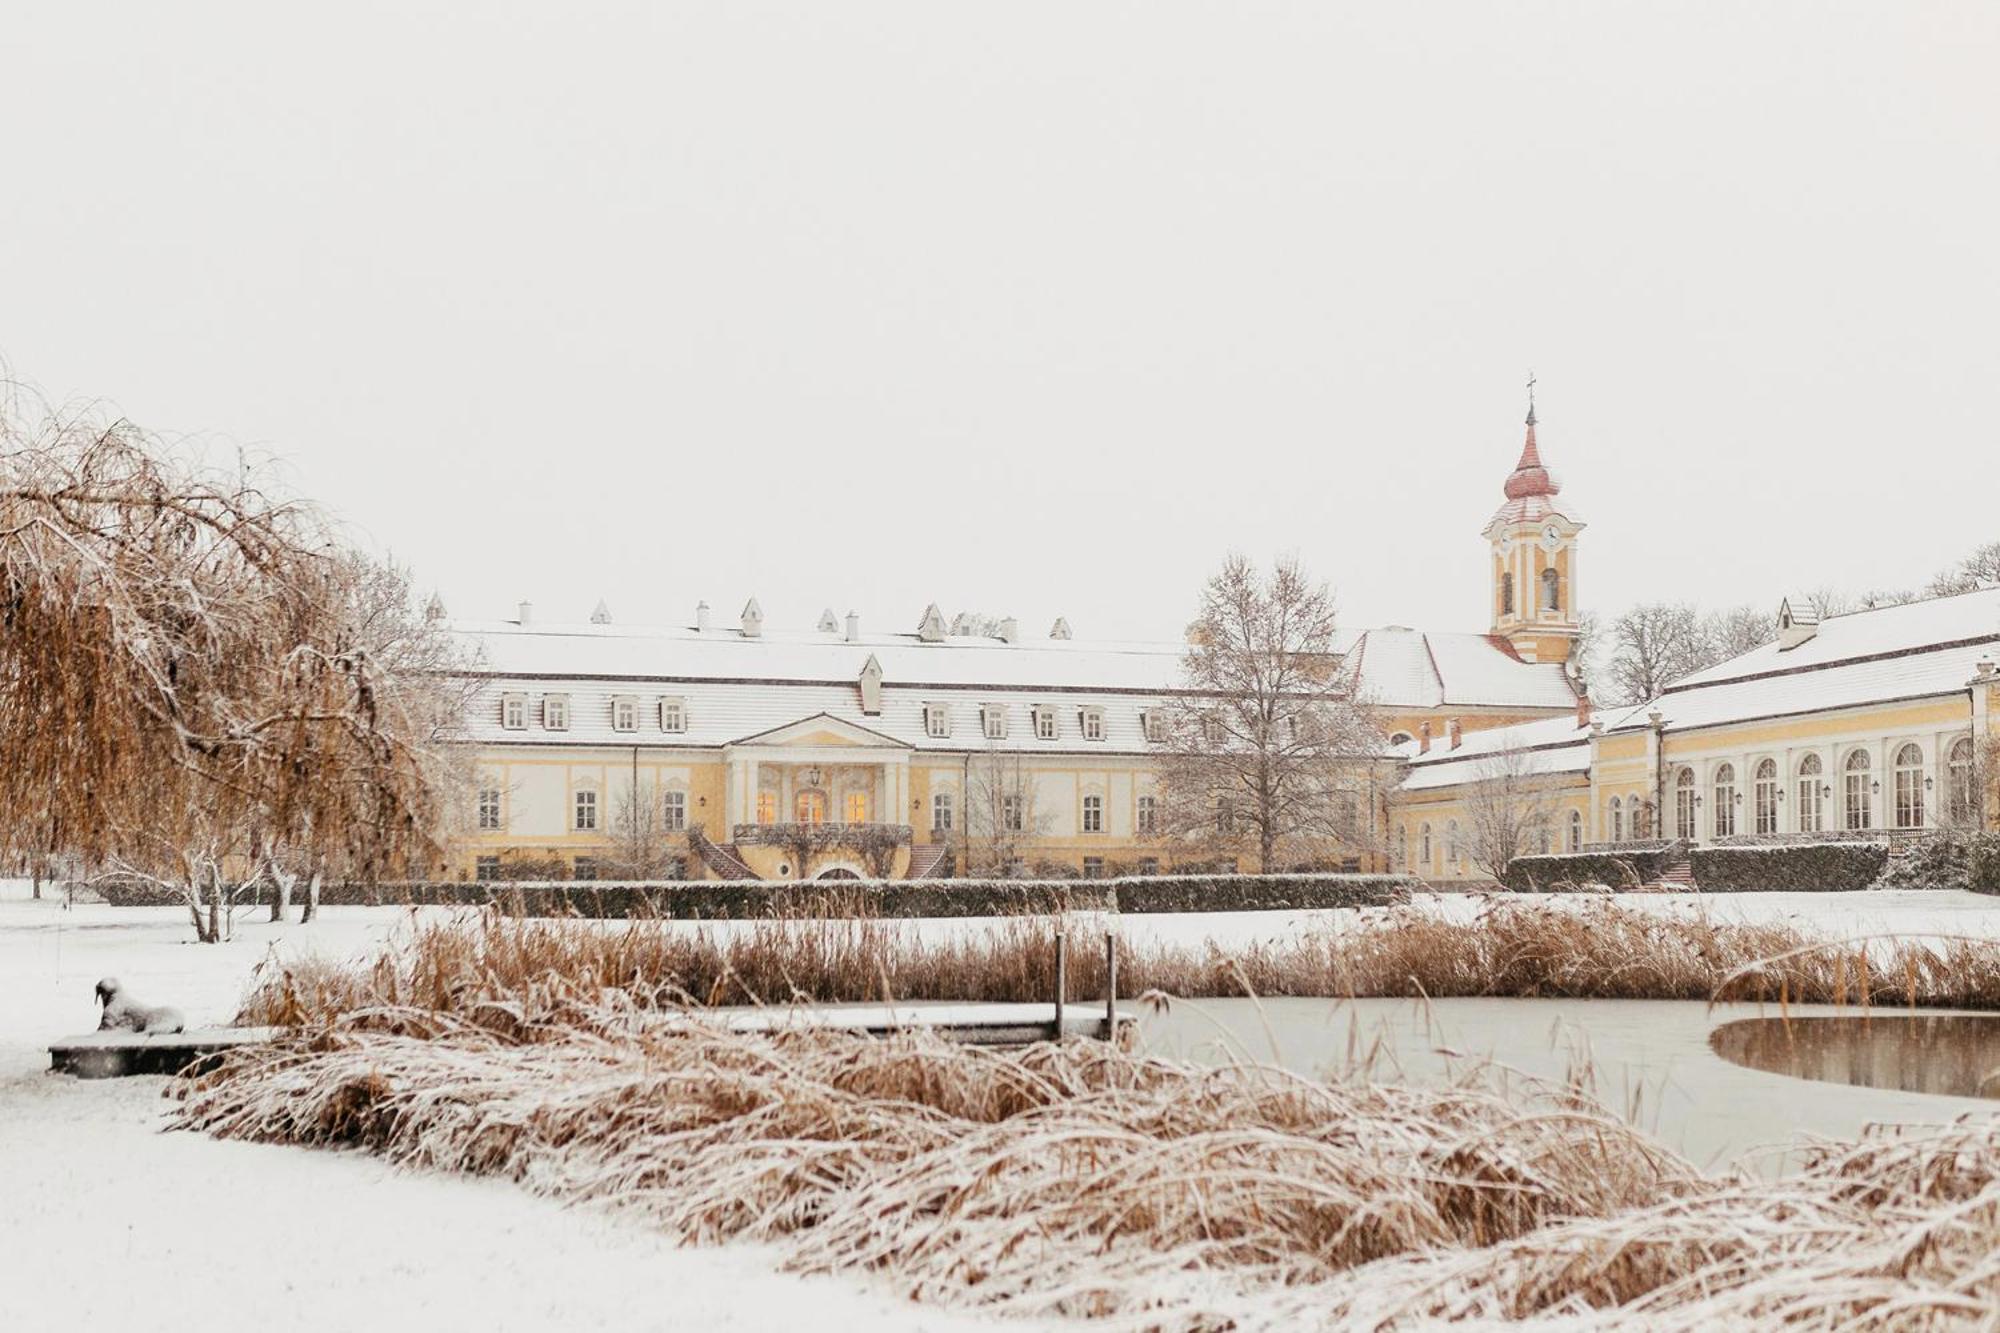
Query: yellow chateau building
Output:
(787,754)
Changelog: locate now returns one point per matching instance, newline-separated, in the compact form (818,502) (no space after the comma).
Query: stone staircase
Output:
(722,859)
(1676,871)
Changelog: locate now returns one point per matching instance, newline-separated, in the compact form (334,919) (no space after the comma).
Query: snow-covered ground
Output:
(105,1218)
(106,1222)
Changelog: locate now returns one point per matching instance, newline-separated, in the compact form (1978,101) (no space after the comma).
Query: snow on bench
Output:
(116,1054)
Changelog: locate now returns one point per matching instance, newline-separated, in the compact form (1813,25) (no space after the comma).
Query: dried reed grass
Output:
(1597,951)
(1067,1179)
(1082,1180)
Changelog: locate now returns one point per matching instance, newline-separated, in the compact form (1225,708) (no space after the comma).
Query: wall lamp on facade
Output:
(1927,784)
(1876,785)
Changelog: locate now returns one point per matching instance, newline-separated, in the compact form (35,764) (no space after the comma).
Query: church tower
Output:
(1534,541)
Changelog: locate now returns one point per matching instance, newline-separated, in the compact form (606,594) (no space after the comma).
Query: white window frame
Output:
(481,865)
(1145,817)
(673,714)
(673,811)
(993,721)
(555,712)
(491,812)
(1091,720)
(937,721)
(1765,809)
(514,712)
(1687,819)
(1046,727)
(941,812)
(1093,814)
(624,713)
(1012,815)
(583,805)
(1154,723)
(1961,794)
(1907,789)
(1857,797)
(1722,787)
(1617,820)
(1576,830)
(1810,778)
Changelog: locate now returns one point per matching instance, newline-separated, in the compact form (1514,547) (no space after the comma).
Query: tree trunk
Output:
(281,894)
(311,907)
(38,878)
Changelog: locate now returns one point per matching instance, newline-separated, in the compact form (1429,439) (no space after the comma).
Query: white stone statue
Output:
(122,1012)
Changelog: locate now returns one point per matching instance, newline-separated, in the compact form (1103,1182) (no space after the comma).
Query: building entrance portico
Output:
(816,790)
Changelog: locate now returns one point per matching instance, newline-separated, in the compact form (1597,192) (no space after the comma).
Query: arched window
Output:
(1507,594)
(1684,805)
(1576,830)
(1812,795)
(1961,793)
(1858,808)
(1909,768)
(1401,738)
(1765,803)
(855,807)
(1641,816)
(1551,589)
(1424,845)
(811,807)
(1725,800)
(1403,846)
(1452,851)
(1617,820)
(767,807)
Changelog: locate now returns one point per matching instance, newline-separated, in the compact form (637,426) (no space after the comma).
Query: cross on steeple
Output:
(1531,397)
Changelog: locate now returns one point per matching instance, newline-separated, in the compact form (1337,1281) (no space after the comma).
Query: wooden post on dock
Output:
(1110,987)
(1062,981)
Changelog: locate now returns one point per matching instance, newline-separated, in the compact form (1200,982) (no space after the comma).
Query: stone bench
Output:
(117,1054)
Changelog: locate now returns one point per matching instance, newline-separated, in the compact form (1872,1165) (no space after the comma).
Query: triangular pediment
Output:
(821,730)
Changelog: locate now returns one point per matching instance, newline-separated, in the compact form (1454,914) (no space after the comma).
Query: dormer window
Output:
(1092,722)
(555,712)
(514,712)
(993,720)
(1045,723)
(625,714)
(1155,724)
(937,721)
(673,714)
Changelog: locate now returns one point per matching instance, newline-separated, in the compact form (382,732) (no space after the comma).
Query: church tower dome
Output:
(1533,536)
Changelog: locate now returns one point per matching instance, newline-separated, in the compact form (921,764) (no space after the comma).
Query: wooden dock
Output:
(973,1024)
(116,1054)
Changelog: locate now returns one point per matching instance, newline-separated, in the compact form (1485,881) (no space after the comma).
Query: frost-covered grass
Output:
(1084,1181)
(1506,947)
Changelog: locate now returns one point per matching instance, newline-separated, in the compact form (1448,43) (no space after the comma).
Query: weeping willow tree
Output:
(200,683)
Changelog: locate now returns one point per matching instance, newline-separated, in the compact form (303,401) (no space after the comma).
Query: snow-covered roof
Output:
(1552,745)
(1408,668)
(1398,667)
(1899,652)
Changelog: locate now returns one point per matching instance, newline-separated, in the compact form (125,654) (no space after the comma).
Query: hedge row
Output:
(1619,869)
(703,900)
(1812,867)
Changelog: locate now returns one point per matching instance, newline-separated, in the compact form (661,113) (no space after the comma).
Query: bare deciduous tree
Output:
(199,683)
(1268,740)
(638,828)
(1002,816)
(1509,808)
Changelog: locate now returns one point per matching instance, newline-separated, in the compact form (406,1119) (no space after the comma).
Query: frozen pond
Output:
(1955,1055)
(1651,1060)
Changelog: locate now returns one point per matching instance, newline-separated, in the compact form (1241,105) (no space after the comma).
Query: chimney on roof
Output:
(827,624)
(1010,630)
(1424,736)
(701,615)
(1986,668)
(526,613)
(1059,630)
(602,614)
(1582,704)
(753,619)
(853,627)
(1456,732)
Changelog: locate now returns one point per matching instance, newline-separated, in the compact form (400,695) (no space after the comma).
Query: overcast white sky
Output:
(1035,308)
